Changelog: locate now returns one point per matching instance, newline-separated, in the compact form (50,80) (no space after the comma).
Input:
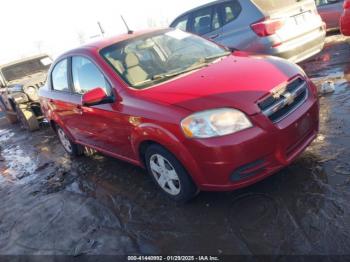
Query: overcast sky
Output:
(53,26)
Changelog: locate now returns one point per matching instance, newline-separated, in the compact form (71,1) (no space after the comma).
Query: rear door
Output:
(62,101)
(299,17)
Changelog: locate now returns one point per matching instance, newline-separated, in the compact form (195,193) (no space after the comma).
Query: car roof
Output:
(200,7)
(98,45)
(24,60)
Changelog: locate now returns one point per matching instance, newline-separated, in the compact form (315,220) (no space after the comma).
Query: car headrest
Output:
(131,60)
(204,21)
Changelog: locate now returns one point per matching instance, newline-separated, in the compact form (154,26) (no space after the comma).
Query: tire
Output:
(27,118)
(71,148)
(169,174)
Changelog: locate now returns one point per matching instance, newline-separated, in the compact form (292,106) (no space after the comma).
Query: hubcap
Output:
(64,140)
(165,174)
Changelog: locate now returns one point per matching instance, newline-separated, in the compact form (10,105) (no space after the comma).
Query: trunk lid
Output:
(299,17)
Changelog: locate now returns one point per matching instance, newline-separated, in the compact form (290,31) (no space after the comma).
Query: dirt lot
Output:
(51,204)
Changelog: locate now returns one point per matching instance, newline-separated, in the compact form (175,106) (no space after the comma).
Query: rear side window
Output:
(181,23)
(325,2)
(205,20)
(230,11)
(60,77)
(271,5)
(86,76)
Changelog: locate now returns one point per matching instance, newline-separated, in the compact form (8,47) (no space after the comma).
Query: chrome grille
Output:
(284,101)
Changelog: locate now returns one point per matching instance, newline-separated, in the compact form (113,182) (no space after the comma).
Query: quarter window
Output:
(325,2)
(60,77)
(231,10)
(86,76)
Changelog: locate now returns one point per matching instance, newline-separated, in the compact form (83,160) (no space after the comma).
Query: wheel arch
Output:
(151,134)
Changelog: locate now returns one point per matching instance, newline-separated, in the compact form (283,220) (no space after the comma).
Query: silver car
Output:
(291,29)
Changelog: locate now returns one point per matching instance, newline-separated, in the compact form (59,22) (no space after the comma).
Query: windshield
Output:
(151,59)
(29,67)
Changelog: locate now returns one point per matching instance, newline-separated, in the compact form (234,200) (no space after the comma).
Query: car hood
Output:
(237,81)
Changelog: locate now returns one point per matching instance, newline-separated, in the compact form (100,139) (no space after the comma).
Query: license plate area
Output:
(302,18)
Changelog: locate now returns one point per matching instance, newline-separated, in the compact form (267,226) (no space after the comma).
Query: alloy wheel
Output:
(64,140)
(165,174)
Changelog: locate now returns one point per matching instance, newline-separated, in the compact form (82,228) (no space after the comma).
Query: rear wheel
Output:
(169,174)
(70,147)
(27,118)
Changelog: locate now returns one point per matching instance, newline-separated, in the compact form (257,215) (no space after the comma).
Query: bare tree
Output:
(81,37)
(39,45)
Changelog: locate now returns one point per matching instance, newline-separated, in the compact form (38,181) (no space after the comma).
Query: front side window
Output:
(86,76)
(231,11)
(157,57)
(60,77)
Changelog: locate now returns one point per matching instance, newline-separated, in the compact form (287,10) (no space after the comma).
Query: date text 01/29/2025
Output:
(173,258)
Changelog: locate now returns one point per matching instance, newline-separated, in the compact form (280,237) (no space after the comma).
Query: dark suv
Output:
(19,85)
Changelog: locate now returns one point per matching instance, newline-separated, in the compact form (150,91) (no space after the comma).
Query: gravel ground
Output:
(52,204)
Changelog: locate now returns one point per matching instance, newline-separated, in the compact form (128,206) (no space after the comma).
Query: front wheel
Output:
(169,174)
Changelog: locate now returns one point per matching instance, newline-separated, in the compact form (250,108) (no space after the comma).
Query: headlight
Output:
(213,123)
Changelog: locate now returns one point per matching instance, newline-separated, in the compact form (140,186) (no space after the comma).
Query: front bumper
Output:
(239,160)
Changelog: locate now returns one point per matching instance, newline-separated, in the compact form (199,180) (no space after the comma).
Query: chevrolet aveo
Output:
(195,115)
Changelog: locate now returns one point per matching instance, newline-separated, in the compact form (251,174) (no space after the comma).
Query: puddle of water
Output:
(20,167)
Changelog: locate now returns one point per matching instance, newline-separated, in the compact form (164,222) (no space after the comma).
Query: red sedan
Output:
(345,19)
(195,115)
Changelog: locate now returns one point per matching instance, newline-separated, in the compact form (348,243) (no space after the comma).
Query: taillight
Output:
(347,5)
(267,27)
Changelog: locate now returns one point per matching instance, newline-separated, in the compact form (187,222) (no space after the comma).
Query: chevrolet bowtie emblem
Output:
(278,92)
(289,98)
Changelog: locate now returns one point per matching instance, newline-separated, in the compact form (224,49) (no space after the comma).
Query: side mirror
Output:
(95,96)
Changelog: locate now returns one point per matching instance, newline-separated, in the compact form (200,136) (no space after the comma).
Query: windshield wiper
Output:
(202,62)
(213,57)
(169,75)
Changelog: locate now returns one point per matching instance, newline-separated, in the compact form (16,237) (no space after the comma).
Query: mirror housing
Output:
(95,96)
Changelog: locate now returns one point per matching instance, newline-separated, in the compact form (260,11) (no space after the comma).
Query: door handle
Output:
(214,36)
(78,109)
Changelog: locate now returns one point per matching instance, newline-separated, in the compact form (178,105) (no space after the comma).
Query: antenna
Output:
(126,25)
(101,29)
